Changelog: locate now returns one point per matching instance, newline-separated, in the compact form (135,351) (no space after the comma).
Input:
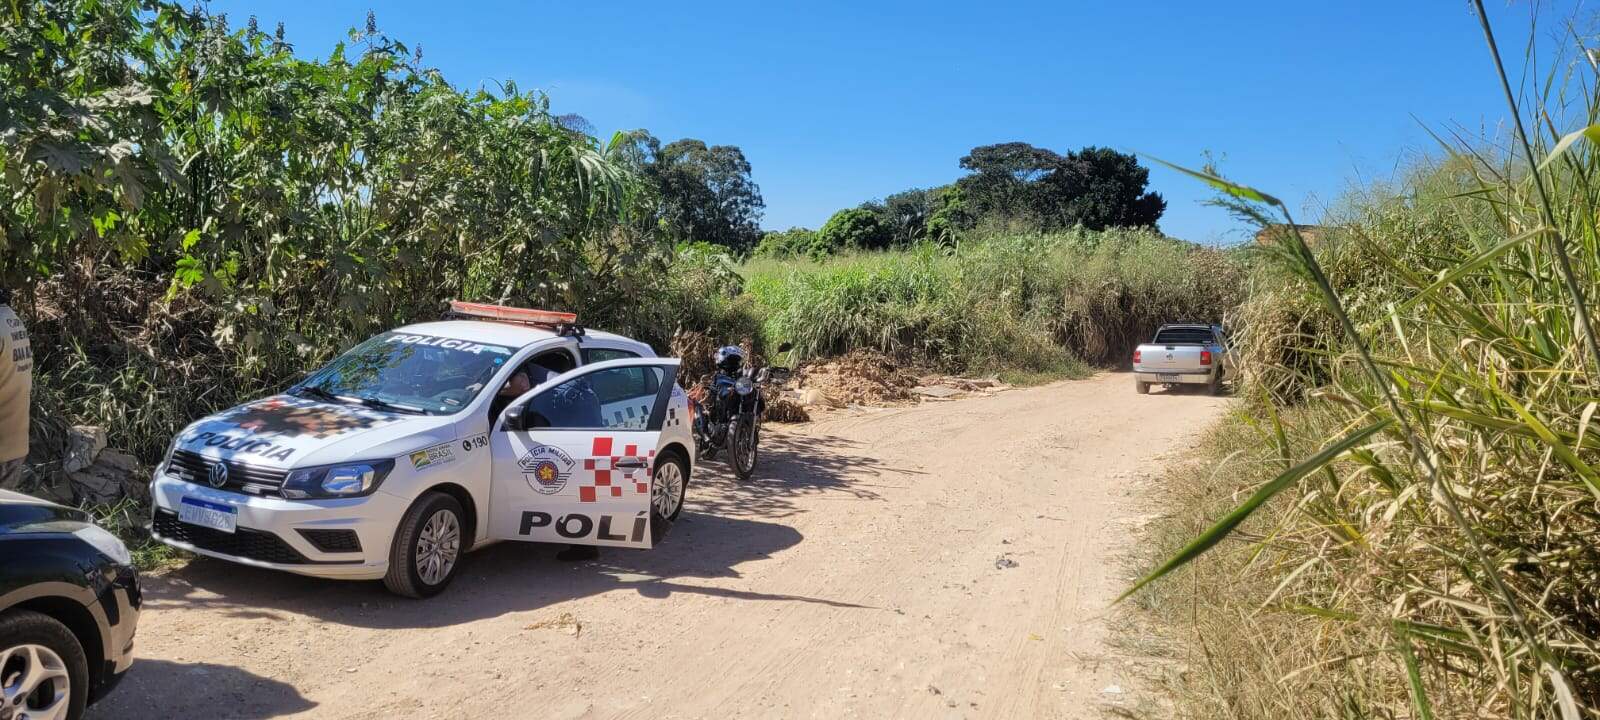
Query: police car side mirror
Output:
(514,418)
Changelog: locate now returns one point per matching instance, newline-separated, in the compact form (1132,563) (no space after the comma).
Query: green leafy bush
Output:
(316,202)
(853,229)
(785,243)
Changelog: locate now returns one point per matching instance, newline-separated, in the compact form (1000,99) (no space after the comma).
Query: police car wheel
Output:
(668,485)
(427,547)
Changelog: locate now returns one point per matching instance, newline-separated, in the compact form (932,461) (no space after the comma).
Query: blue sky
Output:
(838,103)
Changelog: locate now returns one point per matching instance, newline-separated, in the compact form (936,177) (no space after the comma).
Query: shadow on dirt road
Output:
(715,534)
(233,693)
(724,525)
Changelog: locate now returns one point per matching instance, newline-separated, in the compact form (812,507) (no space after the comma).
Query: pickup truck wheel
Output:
(1215,386)
(43,671)
(427,547)
(1142,387)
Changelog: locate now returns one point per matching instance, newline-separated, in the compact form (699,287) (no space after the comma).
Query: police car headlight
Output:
(166,460)
(743,386)
(343,480)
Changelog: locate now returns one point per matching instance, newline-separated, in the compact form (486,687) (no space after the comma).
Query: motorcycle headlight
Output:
(105,542)
(343,480)
(743,386)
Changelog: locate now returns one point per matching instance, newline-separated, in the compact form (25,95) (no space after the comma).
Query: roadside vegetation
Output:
(195,212)
(1401,519)
(1025,302)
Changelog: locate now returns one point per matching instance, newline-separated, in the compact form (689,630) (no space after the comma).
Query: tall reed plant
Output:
(1437,543)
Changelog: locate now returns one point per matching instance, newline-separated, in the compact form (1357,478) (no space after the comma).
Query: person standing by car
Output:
(16,390)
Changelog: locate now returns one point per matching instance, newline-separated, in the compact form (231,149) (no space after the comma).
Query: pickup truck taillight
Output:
(1136,357)
(1205,357)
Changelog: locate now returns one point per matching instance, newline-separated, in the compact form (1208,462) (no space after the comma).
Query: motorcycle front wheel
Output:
(743,439)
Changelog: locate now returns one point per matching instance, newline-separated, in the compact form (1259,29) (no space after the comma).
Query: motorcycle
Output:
(728,415)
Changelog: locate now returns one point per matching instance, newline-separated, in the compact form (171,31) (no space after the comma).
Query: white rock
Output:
(84,443)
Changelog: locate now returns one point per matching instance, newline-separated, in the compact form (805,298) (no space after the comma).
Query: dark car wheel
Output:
(427,547)
(43,673)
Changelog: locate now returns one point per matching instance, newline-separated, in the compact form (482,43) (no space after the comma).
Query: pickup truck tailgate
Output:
(1171,359)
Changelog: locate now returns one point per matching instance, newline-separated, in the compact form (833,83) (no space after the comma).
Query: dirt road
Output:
(946,560)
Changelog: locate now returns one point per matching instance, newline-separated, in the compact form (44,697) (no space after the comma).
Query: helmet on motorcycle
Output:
(729,358)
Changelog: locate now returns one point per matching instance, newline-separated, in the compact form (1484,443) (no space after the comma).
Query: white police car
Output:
(407,451)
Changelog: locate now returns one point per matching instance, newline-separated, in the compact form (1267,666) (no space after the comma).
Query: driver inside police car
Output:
(524,379)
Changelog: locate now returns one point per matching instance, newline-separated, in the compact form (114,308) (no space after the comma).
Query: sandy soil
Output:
(952,559)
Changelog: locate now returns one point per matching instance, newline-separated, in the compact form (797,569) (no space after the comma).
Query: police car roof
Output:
(490,332)
(514,335)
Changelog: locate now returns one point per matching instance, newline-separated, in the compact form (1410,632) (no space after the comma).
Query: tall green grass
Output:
(1019,301)
(1437,554)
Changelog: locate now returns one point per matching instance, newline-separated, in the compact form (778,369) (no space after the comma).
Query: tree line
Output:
(1009,184)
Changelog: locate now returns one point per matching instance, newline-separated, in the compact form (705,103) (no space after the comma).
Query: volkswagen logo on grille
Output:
(218,475)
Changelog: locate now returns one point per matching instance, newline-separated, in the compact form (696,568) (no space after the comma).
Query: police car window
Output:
(406,372)
(594,355)
(616,398)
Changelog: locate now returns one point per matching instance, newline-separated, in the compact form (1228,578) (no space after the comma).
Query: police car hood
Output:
(285,431)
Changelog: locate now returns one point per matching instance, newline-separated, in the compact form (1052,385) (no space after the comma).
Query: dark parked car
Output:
(69,602)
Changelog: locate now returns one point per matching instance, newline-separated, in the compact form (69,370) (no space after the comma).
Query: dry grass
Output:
(1436,556)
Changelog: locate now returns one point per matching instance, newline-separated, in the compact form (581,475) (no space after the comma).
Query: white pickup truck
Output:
(1186,354)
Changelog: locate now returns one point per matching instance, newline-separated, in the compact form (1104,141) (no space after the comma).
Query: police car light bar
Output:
(513,314)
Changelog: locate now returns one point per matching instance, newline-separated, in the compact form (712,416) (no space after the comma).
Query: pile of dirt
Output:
(785,410)
(861,377)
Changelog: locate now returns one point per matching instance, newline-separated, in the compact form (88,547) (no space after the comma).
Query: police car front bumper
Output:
(345,538)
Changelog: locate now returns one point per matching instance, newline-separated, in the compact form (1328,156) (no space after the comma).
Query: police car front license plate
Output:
(208,514)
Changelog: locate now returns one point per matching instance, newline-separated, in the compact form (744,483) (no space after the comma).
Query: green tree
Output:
(856,228)
(706,193)
(906,213)
(785,243)
(1004,179)
(1099,188)
(950,214)
(1093,187)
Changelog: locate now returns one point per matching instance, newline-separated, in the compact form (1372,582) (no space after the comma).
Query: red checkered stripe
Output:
(605,474)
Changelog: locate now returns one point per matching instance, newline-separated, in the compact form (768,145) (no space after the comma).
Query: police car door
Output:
(573,457)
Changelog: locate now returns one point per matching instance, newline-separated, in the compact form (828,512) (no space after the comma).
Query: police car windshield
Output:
(403,372)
